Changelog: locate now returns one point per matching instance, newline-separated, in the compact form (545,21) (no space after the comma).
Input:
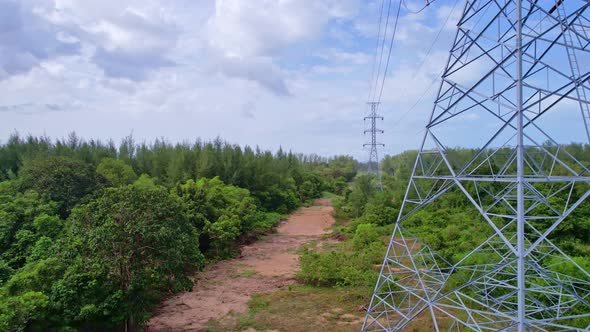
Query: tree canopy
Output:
(87,244)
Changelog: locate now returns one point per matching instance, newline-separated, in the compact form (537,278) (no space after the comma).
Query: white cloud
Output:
(269,72)
(338,56)
(248,39)
(182,70)
(26,39)
(259,69)
(262,28)
(127,40)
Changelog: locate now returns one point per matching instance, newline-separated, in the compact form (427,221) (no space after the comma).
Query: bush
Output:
(365,235)
(321,269)
(340,268)
(264,221)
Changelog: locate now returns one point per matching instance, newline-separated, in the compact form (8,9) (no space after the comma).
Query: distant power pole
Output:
(373,144)
(515,76)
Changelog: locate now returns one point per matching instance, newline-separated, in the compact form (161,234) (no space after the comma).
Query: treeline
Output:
(93,235)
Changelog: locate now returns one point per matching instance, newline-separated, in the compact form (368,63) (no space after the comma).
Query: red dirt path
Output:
(261,268)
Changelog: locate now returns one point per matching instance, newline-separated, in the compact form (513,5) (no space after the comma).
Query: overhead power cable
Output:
(376,51)
(390,49)
(437,36)
(419,11)
(374,85)
(436,78)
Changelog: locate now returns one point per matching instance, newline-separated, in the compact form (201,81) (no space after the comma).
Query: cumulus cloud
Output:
(263,28)
(248,110)
(336,55)
(26,39)
(269,72)
(259,69)
(132,43)
(131,40)
(247,39)
(128,41)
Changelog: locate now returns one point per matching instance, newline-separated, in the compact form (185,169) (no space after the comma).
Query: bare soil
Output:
(262,267)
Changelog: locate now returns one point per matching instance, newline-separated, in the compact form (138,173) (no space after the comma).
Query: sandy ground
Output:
(262,267)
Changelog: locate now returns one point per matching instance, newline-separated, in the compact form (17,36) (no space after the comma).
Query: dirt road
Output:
(262,267)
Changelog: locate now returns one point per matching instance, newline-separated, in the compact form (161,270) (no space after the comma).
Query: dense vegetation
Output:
(93,235)
(450,225)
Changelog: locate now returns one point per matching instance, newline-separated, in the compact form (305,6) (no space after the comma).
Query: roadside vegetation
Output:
(450,225)
(94,235)
(365,220)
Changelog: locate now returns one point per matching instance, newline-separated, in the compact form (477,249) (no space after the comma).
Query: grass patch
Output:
(301,308)
(244,274)
(331,245)
(327,194)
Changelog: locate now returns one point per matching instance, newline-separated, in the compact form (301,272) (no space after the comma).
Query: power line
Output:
(437,36)
(390,49)
(376,50)
(436,78)
(373,130)
(424,60)
(402,2)
(374,86)
(376,75)
(419,11)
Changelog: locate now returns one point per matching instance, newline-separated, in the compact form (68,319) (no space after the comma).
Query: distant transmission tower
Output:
(516,72)
(373,144)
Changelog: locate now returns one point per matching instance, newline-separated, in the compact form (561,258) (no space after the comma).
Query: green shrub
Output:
(337,268)
(364,235)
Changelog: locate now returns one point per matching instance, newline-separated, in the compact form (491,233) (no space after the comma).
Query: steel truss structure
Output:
(518,68)
(373,143)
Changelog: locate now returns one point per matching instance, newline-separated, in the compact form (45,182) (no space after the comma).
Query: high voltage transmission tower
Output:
(377,84)
(373,167)
(517,71)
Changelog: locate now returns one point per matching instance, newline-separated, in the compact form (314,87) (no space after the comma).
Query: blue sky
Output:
(290,73)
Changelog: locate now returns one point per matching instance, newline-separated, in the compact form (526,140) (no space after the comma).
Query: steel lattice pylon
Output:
(510,70)
(373,144)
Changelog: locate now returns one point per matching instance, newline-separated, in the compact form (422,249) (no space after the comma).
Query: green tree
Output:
(222,212)
(24,299)
(23,218)
(61,179)
(363,189)
(117,172)
(17,313)
(145,182)
(343,166)
(138,244)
